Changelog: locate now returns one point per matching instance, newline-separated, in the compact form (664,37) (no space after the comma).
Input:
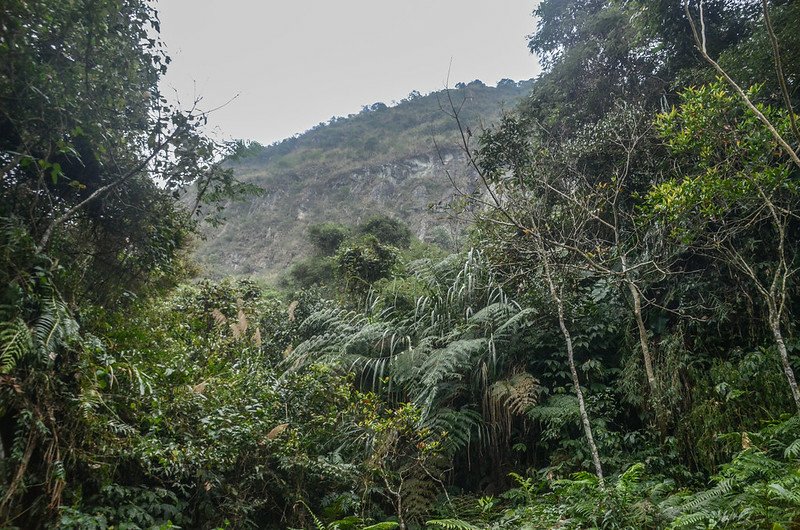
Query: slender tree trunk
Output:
(643,340)
(587,427)
(775,325)
(398,501)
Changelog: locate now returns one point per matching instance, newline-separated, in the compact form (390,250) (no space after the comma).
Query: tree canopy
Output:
(615,346)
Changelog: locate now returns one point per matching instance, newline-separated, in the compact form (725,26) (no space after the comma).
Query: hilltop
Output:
(386,159)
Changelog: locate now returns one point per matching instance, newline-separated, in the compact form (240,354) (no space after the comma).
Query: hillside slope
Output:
(389,160)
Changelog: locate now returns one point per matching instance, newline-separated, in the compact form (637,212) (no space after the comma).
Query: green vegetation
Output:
(618,348)
(350,261)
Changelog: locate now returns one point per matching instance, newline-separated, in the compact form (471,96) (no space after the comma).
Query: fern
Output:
(517,393)
(455,347)
(16,342)
(53,329)
(789,496)
(630,479)
(457,427)
(755,489)
(386,525)
(444,364)
(419,495)
(792,450)
(317,522)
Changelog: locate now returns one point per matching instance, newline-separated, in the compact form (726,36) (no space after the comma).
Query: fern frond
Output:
(386,525)
(448,362)
(630,478)
(789,496)
(692,520)
(704,497)
(457,427)
(419,496)
(317,523)
(491,316)
(16,341)
(792,450)
(517,393)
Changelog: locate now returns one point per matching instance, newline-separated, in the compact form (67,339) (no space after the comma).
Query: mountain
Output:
(400,160)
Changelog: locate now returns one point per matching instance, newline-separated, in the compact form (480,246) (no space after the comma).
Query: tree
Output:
(747,166)
(93,161)
(735,197)
(387,230)
(542,258)
(595,179)
(527,228)
(326,237)
(596,52)
(88,145)
(459,354)
(364,261)
(700,38)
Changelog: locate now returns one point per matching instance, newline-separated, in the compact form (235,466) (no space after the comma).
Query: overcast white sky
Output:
(295,63)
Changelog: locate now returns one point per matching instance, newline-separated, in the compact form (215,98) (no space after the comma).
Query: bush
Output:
(326,237)
(388,231)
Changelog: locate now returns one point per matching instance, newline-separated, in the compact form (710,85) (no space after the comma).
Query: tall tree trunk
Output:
(775,325)
(587,427)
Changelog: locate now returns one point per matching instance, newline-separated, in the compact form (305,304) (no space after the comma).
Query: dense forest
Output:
(612,344)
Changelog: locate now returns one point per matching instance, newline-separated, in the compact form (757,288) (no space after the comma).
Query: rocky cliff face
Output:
(263,236)
(384,160)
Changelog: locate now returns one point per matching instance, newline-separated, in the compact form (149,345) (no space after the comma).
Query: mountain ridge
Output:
(396,160)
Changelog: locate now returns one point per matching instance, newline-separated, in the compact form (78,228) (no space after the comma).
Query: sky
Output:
(290,64)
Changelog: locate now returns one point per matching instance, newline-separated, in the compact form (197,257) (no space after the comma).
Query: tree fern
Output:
(449,356)
(419,495)
(456,427)
(517,393)
(445,364)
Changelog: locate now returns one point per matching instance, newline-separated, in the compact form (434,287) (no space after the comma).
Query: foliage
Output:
(388,231)
(326,237)
(363,262)
(85,135)
(455,353)
(633,276)
(313,271)
(702,130)
(757,489)
(127,507)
